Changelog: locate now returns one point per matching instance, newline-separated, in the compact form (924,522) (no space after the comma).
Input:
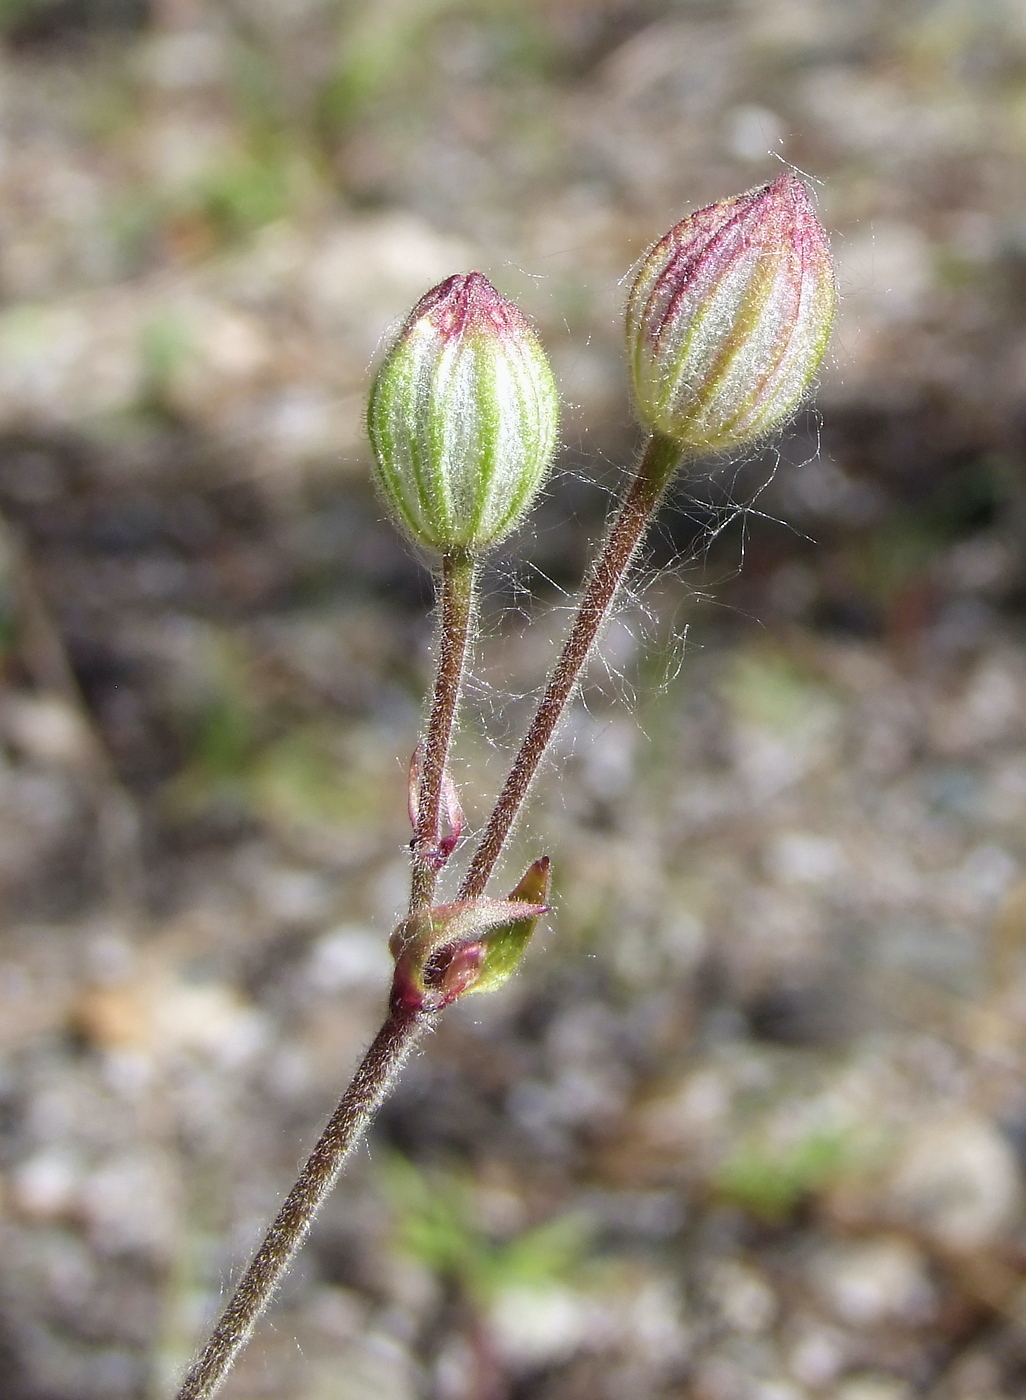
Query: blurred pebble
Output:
(350,956)
(877,1281)
(805,858)
(290,895)
(744,1298)
(455,1370)
(653,1325)
(376,1365)
(987,710)
(776,1390)
(873,1387)
(162,1014)
(818,1356)
(956,1181)
(339,1313)
(48,729)
(177,60)
(699,1107)
(753,132)
(540,1326)
(44,1187)
(129,1205)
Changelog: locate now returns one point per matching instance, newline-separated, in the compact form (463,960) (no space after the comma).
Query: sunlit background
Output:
(751,1123)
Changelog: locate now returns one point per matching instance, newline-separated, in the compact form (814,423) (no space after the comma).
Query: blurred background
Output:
(751,1123)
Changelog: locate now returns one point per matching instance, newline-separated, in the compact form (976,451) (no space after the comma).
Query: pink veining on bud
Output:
(729,317)
(466,302)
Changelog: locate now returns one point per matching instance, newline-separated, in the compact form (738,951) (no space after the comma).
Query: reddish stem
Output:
(360,1102)
(456,606)
(658,463)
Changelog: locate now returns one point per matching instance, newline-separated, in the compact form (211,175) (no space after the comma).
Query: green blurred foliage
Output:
(165,348)
(245,192)
(377,46)
(313,775)
(382,45)
(15,12)
(222,730)
(767,687)
(435,1223)
(771,1181)
(249,751)
(971,497)
(9,601)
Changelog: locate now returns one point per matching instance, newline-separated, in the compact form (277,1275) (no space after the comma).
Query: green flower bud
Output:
(462,417)
(729,317)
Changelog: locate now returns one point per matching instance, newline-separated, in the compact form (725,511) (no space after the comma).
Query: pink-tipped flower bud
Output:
(462,417)
(729,317)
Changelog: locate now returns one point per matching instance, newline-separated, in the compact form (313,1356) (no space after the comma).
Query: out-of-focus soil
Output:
(750,1124)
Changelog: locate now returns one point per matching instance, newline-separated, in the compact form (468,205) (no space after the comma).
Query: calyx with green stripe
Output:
(729,316)
(462,417)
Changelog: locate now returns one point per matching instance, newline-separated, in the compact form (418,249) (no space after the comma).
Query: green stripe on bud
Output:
(729,317)
(462,417)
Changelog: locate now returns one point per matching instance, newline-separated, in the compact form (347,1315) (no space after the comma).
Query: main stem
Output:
(360,1102)
(658,462)
(456,606)
(392,1046)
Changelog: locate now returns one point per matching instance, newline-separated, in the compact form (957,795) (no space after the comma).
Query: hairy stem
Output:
(456,606)
(394,1042)
(404,1026)
(658,462)
(360,1102)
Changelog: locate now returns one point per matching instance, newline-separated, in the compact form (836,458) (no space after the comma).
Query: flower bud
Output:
(473,945)
(729,318)
(462,417)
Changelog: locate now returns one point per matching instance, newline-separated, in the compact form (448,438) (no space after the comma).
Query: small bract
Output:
(729,316)
(462,417)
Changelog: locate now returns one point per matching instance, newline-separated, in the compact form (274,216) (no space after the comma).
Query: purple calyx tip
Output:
(777,215)
(465,302)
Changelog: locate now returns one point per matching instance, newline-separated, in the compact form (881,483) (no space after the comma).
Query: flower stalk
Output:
(659,461)
(455,610)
